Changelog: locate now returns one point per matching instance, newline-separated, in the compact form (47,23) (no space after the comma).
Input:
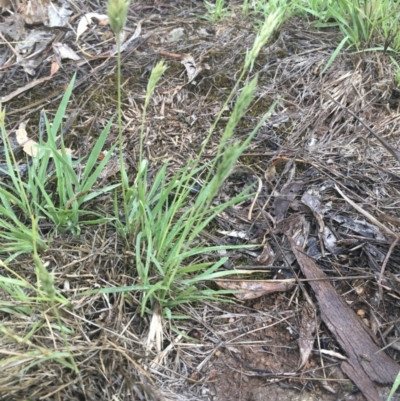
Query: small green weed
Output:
(216,11)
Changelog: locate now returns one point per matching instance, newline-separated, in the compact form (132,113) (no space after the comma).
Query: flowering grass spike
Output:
(117,11)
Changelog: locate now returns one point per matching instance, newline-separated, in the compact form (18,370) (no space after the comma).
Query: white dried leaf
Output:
(191,68)
(235,234)
(86,20)
(29,146)
(64,51)
(59,16)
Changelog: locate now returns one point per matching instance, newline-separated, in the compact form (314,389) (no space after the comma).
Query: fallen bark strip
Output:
(366,362)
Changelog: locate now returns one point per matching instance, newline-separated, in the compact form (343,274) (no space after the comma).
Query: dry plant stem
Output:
(9,45)
(389,252)
(23,89)
(255,198)
(391,149)
(121,159)
(168,54)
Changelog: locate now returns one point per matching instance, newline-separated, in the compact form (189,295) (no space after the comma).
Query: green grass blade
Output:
(100,141)
(61,111)
(335,54)
(395,386)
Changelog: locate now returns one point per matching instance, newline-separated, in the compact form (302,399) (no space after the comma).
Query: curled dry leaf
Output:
(29,146)
(86,20)
(267,256)
(54,65)
(155,336)
(191,68)
(333,354)
(64,51)
(312,198)
(254,289)
(125,43)
(307,331)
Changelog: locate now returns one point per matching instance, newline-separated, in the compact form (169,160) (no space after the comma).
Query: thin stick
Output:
(389,252)
(371,218)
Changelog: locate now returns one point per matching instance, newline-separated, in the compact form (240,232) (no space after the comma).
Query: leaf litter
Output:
(325,216)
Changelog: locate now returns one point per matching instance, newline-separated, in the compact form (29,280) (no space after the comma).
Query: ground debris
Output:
(366,362)
(309,147)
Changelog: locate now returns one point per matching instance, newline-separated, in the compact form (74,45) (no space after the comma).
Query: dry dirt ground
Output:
(308,149)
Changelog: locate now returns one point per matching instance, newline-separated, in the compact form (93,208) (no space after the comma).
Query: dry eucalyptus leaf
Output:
(287,195)
(254,289)
(64,51)
(29,146)
(55,66)
(307,333)
(44,12)
(267,256)
(155,336)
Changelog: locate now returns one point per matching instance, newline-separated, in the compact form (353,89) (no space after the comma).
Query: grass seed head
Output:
(117,11)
